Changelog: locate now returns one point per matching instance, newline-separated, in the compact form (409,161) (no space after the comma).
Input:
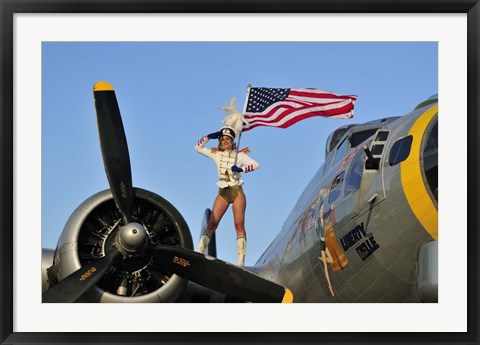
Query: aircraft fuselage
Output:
(356,231)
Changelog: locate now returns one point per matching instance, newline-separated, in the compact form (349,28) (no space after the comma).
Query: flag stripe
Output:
(283,115)
(273,110)
(307,99)
(286,119)
(284,107)
(318,94)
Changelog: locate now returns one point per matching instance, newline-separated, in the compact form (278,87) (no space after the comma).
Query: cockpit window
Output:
(335,137)
(341,151)
(400,150)
(354,176)
(360,137)
(328,163)
(336,187)
(381,136)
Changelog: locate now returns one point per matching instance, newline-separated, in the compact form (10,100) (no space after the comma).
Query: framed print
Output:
(79,80)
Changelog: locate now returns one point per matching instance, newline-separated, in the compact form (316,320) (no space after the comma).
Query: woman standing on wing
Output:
(230,189)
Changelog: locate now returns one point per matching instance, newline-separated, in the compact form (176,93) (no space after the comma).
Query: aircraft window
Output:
(335,137)
(377,149)
(400,150)
(341,151)
(354,177)
(336,187)
(432,142)
(430,160)
(327,144)
(360,137)
(381,136)
(328,163)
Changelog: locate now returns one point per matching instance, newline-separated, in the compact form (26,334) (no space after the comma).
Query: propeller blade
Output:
(113,144)
(71,288)
(219,275)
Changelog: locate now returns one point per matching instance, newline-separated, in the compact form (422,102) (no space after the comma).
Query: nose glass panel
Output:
(430,160)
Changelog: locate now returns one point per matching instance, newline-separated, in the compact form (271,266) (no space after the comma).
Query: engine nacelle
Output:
(91,230)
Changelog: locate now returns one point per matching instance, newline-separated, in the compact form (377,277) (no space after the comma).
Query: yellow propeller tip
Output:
(102,86)
(288,297)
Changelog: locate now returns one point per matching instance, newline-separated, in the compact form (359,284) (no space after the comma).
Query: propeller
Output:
(219,275)
(132,238)
(79,282)
(113,144)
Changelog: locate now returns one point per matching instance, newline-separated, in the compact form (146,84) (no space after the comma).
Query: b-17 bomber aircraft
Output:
(365,229)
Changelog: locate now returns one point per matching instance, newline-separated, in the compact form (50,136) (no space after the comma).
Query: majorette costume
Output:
(229,184)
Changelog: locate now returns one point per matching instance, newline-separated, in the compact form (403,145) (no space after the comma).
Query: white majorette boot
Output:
(203,244)
(241,250)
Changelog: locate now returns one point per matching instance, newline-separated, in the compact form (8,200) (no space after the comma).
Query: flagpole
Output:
(244,110)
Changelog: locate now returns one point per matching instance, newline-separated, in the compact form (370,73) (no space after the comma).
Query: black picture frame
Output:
(10,7)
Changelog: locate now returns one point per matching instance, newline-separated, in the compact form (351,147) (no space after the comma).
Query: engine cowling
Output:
(91,230)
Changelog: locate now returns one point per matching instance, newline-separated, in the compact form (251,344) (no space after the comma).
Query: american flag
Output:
(284,107)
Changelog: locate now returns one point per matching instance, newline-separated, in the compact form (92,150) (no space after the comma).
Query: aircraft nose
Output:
(419,172)
(429,156)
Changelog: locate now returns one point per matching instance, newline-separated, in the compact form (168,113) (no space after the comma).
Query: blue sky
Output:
(169,94)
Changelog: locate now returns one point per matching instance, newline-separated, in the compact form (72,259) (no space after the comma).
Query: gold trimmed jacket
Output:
(225,161)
